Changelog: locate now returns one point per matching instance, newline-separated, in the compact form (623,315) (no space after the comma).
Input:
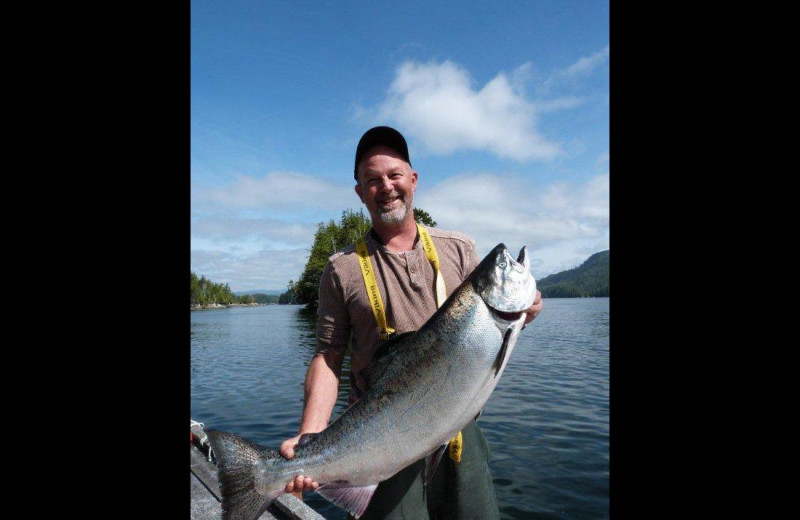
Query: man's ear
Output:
(359,192)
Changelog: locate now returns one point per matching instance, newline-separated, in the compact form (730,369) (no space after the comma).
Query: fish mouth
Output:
(508,316)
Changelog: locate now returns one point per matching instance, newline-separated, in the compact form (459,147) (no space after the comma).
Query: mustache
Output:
(391,196)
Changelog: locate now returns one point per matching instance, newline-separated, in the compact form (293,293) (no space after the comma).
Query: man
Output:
(385,183)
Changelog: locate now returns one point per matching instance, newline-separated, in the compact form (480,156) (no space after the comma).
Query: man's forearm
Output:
(321,391)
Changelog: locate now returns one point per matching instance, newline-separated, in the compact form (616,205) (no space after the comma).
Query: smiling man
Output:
(414,268)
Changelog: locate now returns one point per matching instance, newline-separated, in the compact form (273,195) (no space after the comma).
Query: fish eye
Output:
(502,265)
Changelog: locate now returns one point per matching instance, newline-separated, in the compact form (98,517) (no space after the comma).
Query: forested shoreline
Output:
(205,294)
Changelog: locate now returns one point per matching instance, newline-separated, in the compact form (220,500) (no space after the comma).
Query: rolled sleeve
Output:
(333,323)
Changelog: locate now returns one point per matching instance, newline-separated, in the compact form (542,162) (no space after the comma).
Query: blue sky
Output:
(504,104)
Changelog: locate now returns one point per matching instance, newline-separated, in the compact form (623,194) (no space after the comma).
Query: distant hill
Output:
(271,292)
(590,279)
(261,296)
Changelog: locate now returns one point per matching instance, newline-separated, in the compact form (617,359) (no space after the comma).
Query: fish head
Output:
(505,284)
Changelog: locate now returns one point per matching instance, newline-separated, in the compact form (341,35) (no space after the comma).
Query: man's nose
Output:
(386,184)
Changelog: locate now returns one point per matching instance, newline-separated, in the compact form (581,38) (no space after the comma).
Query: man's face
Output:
(386,185)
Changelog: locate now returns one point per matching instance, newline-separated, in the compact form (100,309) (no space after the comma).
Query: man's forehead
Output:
(378,157)
(380,149)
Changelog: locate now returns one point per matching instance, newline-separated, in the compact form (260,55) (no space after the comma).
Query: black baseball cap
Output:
(380,135)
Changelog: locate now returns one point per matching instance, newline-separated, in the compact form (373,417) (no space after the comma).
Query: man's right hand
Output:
(300,483)
(320,394)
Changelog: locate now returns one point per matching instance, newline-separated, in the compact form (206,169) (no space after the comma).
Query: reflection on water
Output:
(304,325)
(546,423)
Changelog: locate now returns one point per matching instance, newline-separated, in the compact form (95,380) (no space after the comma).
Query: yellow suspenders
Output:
(433,258)
(454,450)
(372,289)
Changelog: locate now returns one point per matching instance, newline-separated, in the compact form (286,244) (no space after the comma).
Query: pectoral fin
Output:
(501,356)
(353,499)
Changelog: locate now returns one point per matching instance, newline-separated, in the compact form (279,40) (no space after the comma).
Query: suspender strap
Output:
(372,289)
(433,258)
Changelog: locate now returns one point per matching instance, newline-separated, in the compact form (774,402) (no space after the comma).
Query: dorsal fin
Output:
(305,439)
(383,357)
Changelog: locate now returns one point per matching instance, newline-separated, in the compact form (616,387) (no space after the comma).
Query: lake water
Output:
(547,422)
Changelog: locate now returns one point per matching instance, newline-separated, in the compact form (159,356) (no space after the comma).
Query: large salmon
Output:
(425,386)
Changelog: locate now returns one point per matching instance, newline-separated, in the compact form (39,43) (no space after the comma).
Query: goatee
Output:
(398,215)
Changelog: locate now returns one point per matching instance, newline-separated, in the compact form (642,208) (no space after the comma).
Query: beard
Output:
(398,214)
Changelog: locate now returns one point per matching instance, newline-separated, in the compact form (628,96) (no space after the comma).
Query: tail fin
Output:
(235,460)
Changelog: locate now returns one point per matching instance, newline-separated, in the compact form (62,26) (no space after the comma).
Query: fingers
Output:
(534,309)
(300,484)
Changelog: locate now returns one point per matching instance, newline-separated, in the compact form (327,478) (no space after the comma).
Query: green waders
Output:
(458,491)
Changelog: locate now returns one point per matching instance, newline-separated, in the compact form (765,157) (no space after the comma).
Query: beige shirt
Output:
(407,286)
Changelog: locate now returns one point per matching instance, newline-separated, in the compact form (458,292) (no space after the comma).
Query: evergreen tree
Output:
(203,292)
(290,296)
(422,216)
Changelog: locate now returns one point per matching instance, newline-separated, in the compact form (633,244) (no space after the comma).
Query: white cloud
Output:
(283,191)
(263,269)
(594,198)
(582,68)
(559,222)
(256,232)
(223,231)
(437,104)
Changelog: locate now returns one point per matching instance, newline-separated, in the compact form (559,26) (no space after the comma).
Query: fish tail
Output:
(236,458)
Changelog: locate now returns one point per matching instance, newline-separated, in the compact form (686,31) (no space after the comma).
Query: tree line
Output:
(203,292)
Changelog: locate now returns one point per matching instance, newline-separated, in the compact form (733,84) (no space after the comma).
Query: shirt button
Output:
(413,269)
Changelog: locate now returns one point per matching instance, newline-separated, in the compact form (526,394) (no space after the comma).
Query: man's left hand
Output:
(534,309)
